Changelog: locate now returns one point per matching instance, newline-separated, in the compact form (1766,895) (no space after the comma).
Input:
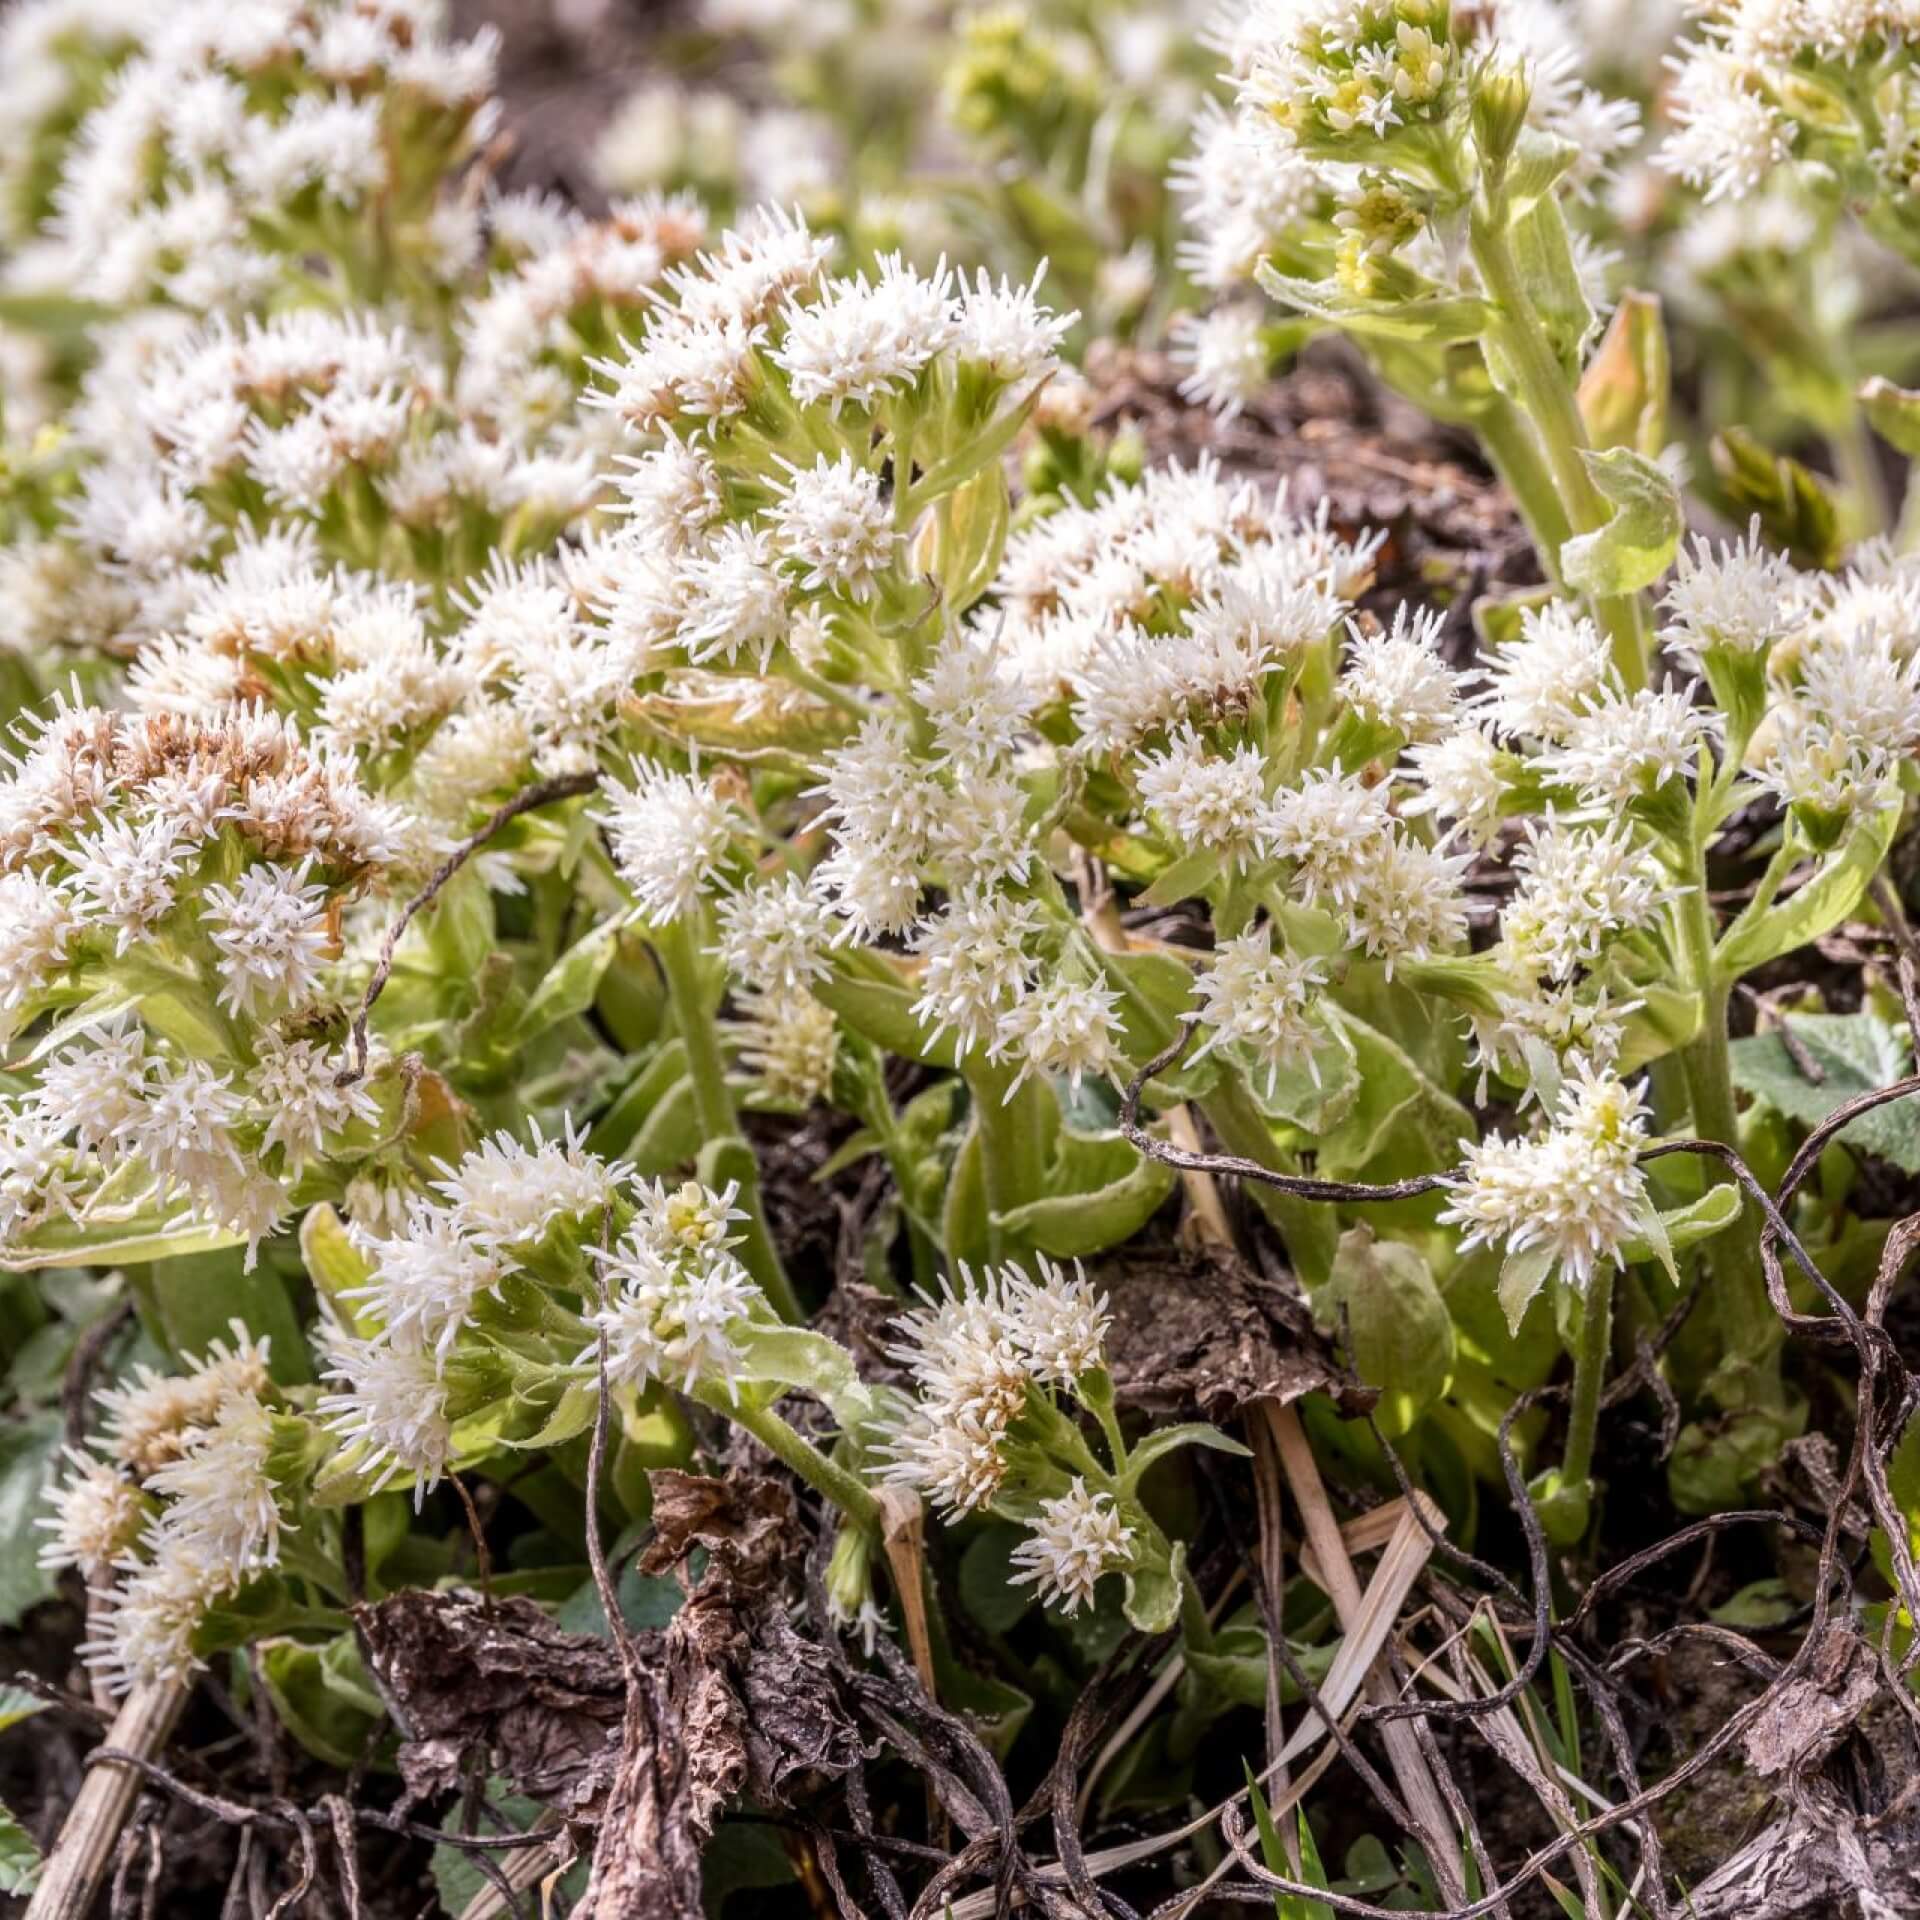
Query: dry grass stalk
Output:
(76,1868)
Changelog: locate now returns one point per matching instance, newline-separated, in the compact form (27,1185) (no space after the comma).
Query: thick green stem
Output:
(1195,1628)
(713,1108)
(826,1477)
(1514,450)
(1016,1142)
(1591,1358)
(1547,398)
(1750,1332)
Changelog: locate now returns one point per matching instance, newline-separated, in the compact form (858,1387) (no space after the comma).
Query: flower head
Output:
(1074,1540)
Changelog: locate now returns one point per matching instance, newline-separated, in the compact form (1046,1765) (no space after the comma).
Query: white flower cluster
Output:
(179,1514)
(1761,84)
(229,139)
(1573,1194)
(114,834)
(429,1280)
(676,1294)
(1338,102)
(975,1352)
(1076,1537)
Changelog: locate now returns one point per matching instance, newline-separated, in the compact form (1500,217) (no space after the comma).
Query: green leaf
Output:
(1101,1191)
(1401,1121)
(1795,507)
(1637,544)
(1682,1227)
(19,1857)
(572,1415)
(1894,413)
(1165,1440)
(1764,1603)
(29,1450)
(644,1600)
(1273,1856)
(1398,1325)
(1625,390)
(987,1591)
(101,1240)
(333,1262)
(1522,1275)
(652,1087)
(17,1704)
(313,1706)
(570,983)
(875,1001)
(197,1298)
(1763,934)
(1423,319)
(1856,1053)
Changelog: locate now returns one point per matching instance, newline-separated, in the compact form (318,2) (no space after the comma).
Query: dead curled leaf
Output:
(729,1699)
(543,1705)
(1202,1333)
(1804,1721)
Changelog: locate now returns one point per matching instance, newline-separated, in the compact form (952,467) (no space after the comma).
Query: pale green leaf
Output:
(1853,1053)
(1637,544)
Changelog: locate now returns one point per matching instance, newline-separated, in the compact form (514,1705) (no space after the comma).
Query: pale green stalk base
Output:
(713,1106)
(1592,1357)
(826,1477)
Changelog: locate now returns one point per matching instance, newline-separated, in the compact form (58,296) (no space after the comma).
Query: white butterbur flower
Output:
(1204,800)
(1575,1192)
(787,1041)
(860,341)
(219,1494)
(1625,746)
(1333,827)
(1255,998)
(1397,679)
(37,921)
(1727,135)
(978,714)
(976,965)
(733,601)
(1005,329)
(504,1194)
(1738,596)
(1408,901)
(97,1513)
(1462,781)
(126,874)
(155,1613)
(1224,357)
(1579,888)
(391,1409)
(962,1348)
(1060,1324)
(1064,1027)
(1540,684)
(295,1085)
(775,937)
(425,1280)
(271,934)
(1866,692)
(670,832)
(151,1417)
(675,1320)
(835,525)
(1074,1540)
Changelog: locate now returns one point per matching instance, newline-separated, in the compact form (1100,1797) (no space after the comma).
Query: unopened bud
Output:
(1501,96)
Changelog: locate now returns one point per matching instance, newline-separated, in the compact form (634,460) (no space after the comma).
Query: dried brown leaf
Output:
(500,1678)
(1200,1332)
